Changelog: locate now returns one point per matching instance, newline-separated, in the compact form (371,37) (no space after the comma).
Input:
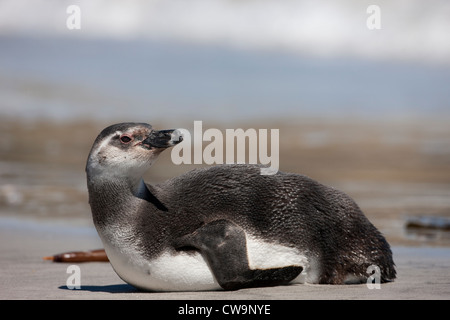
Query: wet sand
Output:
(393,169)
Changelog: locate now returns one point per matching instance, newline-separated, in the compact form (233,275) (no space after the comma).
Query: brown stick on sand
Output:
(80,256)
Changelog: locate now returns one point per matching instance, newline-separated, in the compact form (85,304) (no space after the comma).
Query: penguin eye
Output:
(125,139)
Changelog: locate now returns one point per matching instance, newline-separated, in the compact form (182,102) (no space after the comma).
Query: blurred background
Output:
(366,111)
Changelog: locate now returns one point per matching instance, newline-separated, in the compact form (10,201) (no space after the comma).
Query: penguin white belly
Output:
(266,255)
(168,272)
(189,271)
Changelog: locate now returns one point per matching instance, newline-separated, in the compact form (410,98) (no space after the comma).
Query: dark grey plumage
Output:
(290,208)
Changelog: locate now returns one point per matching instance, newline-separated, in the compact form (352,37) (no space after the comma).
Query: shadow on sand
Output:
(114,288)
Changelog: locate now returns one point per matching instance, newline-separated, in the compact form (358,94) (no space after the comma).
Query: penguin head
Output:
(127,150)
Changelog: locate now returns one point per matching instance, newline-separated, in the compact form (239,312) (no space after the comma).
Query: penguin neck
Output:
(114,199)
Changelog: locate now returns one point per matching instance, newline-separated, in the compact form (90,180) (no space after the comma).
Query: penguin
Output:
(223,227)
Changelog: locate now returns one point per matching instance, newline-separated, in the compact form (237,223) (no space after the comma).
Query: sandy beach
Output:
(422,273)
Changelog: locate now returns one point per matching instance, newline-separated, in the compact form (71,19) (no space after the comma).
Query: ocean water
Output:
(103,79)
(223,60)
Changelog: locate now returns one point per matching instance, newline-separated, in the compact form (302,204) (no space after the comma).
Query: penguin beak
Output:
(163,138)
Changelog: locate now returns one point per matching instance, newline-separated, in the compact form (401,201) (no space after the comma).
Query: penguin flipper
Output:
(223,244)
